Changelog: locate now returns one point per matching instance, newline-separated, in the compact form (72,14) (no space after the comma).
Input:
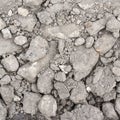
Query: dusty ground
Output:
(59,60)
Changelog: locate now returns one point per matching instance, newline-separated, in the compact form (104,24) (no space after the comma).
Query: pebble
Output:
(116,71)
(117,105)
(2,24)
(60,76)
(48,106)
(10,63)
(5,80)
(6,33)
(79,41)
(89,42)
(22,11)
(20,40)
(2,72)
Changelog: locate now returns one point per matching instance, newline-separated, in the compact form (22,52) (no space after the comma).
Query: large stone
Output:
(83,61)
(38,49)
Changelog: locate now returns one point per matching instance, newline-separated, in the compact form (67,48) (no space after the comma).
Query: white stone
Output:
(79,41)
(2,24)
(20,40)
(23,11)
(6,33)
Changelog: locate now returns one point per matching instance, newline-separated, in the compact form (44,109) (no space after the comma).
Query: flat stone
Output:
(44,82)
(48,106)
(104,43)
(83,61)
(38,49)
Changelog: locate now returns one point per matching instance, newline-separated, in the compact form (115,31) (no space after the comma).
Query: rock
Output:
(30,102)
(104,43)
(116,11)
(5,80)
(109,111)
(28,22)
(20,40)
(10,63)
(23,11)
(47,106)
(79,93)
(83,112)
(116,71)
(2,72)
(94,27)
(6,33)
(103,81)
(83,61)
(79,41)
(7,93)
(65,68)
(63,92)
(89,42)
(60,76)
(44,82)
(38,49)
(3,111)
(2,24)
(117,105)
(29,71)
(7,46)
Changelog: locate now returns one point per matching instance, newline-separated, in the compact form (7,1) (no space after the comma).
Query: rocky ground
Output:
(59,60)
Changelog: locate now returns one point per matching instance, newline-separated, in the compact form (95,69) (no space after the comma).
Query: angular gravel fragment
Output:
(30,102)
(44,82)
(83,61)
(109,111)
(48,106)
(38,49)
(104,43)
(10,63)
(60,76)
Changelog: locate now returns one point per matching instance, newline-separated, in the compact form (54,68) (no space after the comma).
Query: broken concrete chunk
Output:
(44,82)
(94,27)
(83,61)
(5,80)
(6,33)
(2,24)
(3,111)
(79,93)
(62,90)
(20,40)
(60,76)
(23,11)
(7,93)
(48,106)
(10,63)
(109,111)
(30,102)
(38,49)
(104,43)
(103,81)
(79,41)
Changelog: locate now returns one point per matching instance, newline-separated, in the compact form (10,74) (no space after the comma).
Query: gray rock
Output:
(60,76)
(3,111)
(44,82)
(2,72)
(48,106)
(109,111)
(2,24)
(7,93)
(94,27)
(117,105)
(104,43)
(89,42)
(5,80)
(6,33)
(10,63)
(83,61)
(23,11)
(62,90)
(116,71)
(79,41)
(30,102)
(37,50)
(79,93)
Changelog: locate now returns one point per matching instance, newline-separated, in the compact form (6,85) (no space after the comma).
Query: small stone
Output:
(2,24)
(116,71)
(30,102)
(3,111)
(79,93)
(117,105)
(38,49)
(48,106)
(7,93)
(79,41)
(89,42)
(6,33)
(76,11)
(16,98)
(23,11)
(20,40)
(60,76)
(116,11)
(65,68)
(109,111)
(5,80)
(44,82)
(62,90)
(10,13)
(117,63)
(10,63)
(2,72)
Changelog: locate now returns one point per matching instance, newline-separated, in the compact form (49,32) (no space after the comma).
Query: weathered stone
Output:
(10,63)
(30,102)
(5,80)
(44,82)
(116,71)
(2,72)
(89,42)
(6,33)
(38,49)
(117,105)
(23,11)
(83,61)
(104,43)
(60,76)
(2,24)
(47,106)
(79,41)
